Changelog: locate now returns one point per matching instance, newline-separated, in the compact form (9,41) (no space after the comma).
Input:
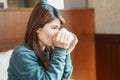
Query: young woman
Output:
(44,54)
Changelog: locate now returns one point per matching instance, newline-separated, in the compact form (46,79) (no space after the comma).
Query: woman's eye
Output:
(54,27)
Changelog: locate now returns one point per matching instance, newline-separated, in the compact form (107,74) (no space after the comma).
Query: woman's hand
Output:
(72,44)
(61,40)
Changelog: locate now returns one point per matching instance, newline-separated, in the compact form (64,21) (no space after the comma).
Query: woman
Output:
(44,54)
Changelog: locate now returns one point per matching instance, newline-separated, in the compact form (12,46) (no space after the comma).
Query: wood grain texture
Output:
(108,56)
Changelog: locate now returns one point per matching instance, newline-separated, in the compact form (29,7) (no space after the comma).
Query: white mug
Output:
(64,30)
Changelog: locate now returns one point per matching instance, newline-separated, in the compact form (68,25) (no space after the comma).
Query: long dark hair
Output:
(42,13)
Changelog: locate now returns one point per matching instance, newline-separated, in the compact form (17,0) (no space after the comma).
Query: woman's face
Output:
(46,33)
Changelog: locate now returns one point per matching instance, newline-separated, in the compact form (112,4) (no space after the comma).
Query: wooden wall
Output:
(80,21)
(12,26)
(108,56)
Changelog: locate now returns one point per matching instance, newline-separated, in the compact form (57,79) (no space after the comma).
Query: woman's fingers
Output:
(61,40)
(75,38)
(72,44)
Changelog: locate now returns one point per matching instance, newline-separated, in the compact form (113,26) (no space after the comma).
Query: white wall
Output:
(75,3)
(107,15)
(57,3)
(68,3)
(5,3)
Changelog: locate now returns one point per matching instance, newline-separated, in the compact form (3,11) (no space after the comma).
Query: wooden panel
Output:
(79,21)
(9,24)
(2,25)
(108,56)
(12,27)
(16,21)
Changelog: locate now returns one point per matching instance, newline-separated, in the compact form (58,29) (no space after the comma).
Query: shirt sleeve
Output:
(28,68)
(68,68)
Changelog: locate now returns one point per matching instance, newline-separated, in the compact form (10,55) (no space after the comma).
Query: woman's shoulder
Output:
(22,50)
(23,56)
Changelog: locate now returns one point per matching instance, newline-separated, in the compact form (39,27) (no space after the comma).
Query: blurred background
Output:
(106,31)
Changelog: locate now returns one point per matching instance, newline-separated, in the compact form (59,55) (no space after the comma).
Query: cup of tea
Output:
(64,30)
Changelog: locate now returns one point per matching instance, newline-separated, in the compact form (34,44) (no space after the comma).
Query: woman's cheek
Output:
(52,36)
(49,38)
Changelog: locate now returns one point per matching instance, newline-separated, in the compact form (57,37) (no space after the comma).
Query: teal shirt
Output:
(24,65)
